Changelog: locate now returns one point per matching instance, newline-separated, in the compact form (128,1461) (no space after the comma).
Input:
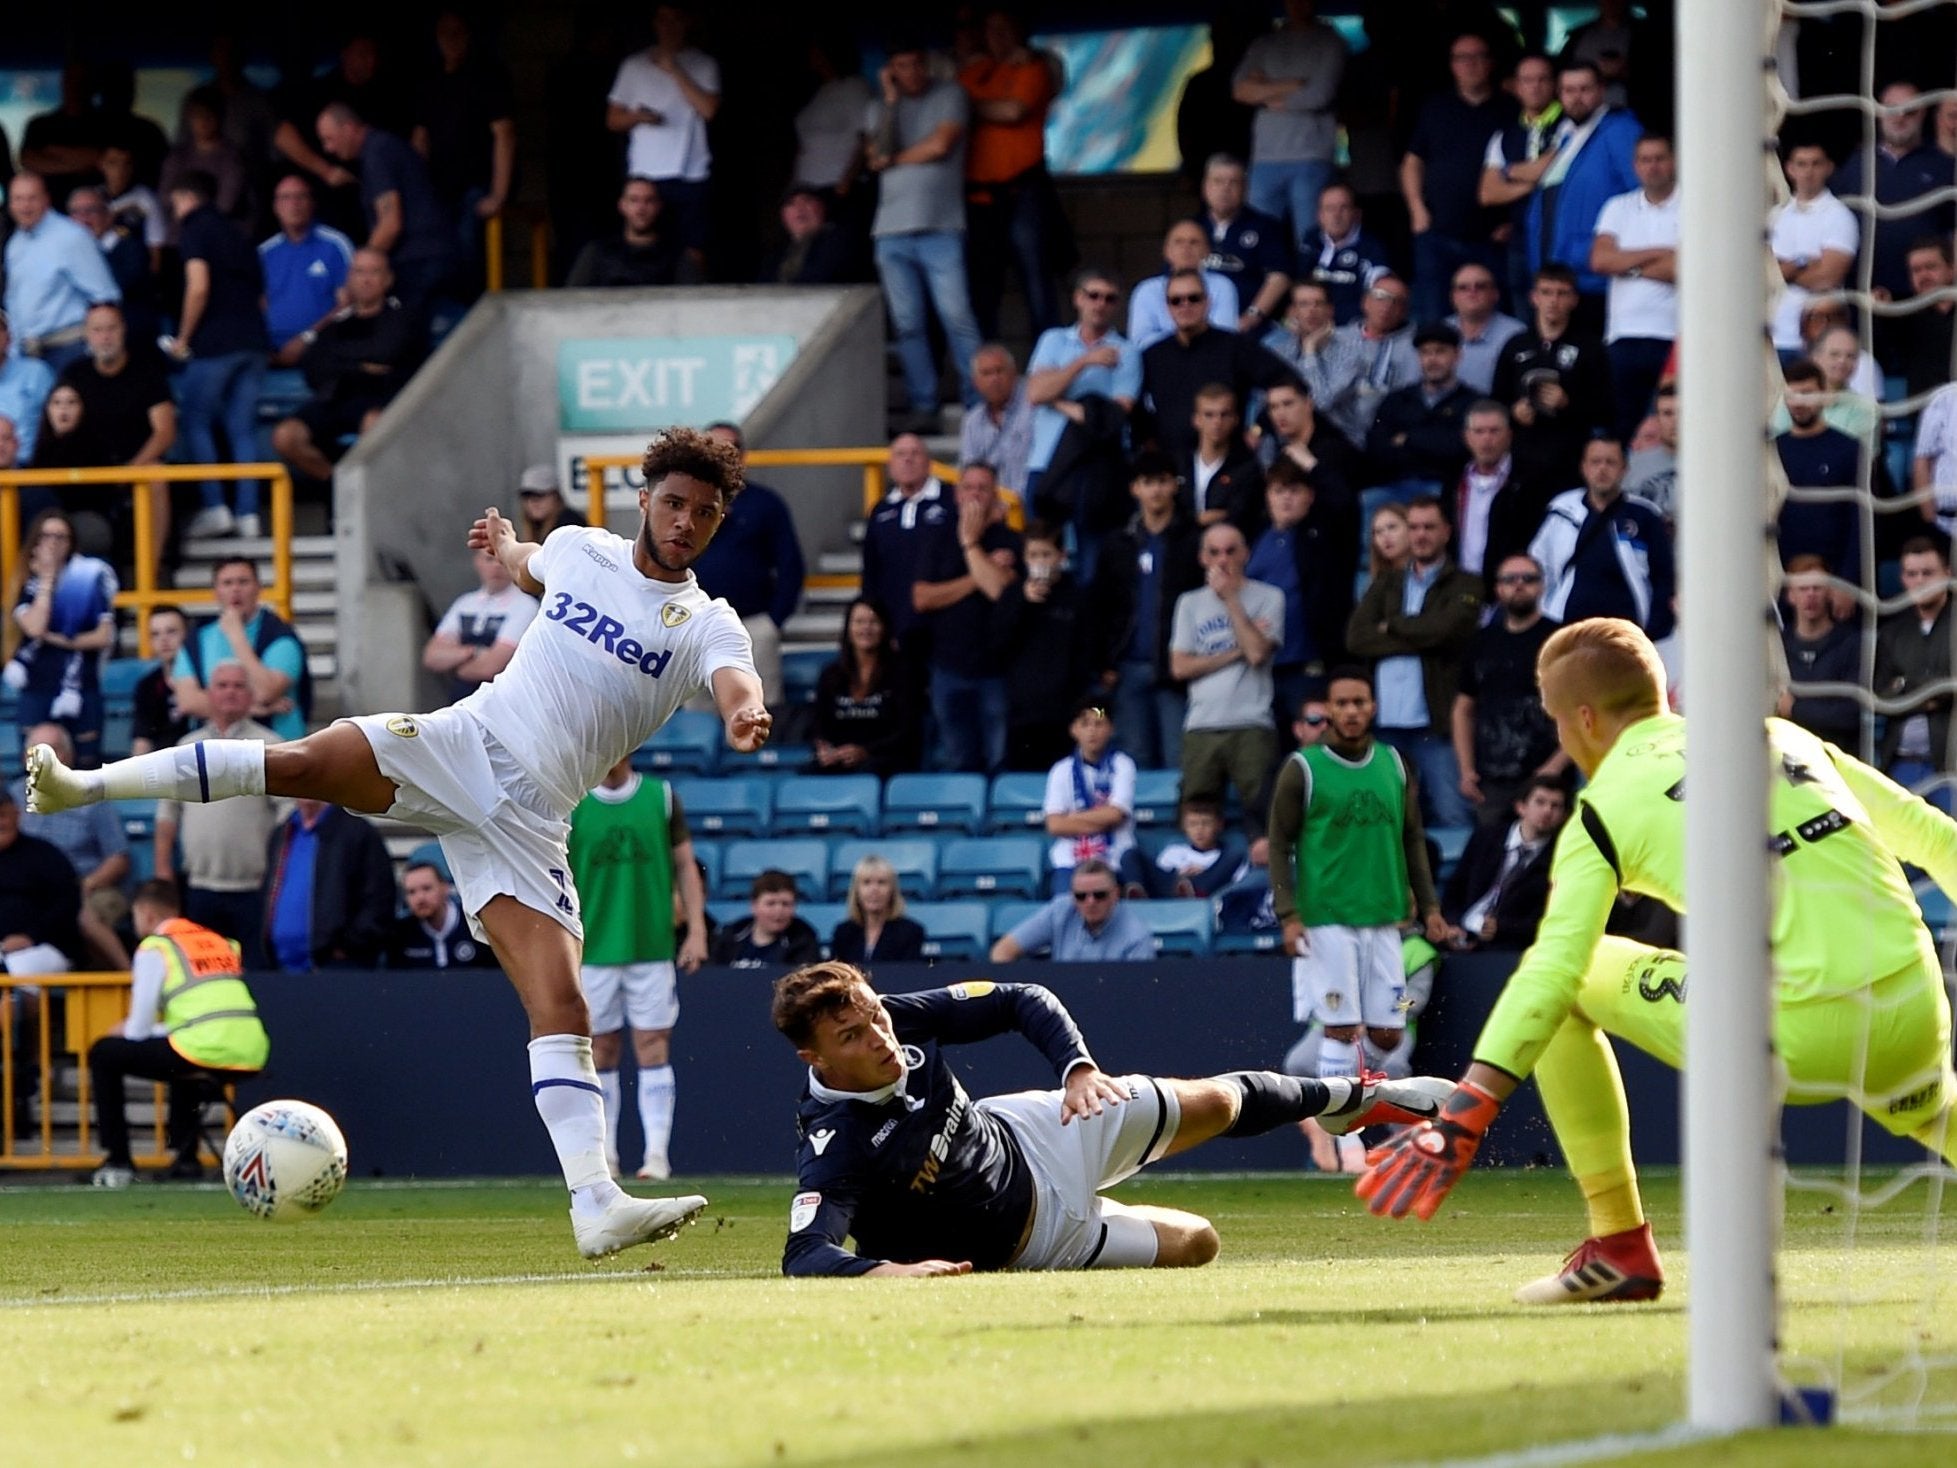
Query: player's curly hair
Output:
(690,452)
(812,993)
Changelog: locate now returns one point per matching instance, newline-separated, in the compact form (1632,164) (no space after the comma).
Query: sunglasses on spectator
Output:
(1385,295)
(1518,578)
(1095,894)
(1187,300)
(1314,721)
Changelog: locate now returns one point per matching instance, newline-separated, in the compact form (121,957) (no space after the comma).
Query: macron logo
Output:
(600,630)
(820,1140)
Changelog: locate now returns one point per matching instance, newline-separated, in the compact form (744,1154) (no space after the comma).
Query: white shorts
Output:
(645,995)
(498,830)
(1071,1164)
(1351,976)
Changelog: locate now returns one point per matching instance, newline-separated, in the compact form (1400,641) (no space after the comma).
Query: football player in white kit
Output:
(625,636)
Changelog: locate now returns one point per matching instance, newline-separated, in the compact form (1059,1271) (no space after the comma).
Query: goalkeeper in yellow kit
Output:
(1860,1009)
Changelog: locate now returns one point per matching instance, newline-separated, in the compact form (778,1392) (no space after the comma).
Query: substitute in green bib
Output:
(1859,1004)
(630,853)
(191,1018)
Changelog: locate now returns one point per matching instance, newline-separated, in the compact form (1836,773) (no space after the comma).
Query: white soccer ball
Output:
(285,1160)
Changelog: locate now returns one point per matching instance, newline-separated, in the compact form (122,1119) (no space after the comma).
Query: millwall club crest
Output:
(672,614)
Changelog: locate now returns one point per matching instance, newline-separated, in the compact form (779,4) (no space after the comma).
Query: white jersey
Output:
(605,663)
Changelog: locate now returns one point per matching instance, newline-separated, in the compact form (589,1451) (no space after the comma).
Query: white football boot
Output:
(632,1221)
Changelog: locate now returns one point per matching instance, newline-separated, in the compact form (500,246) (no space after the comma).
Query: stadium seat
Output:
(989,866)
(138,819)
(1017,803)
(1008,915)
(843,804)
(726,805)
(823,917)
(951,929)
(800,668)
(1157,793)
(806,860)
(790,758)
(10,746)
(1238,942)
(915,858)
(1450,841)
(935,803)
(1938,914)
(120,677)
(118,730)
(1182,926)
(689,743)
(726,911)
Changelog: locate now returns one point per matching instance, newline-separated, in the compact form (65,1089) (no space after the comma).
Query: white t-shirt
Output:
(479,618)
(1236,695)
(609,660)
(1936,440)
(1804,231)
(1063,796)
(677,148)
(1639,307)
(829,129)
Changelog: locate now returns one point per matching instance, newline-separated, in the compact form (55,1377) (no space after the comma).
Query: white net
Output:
(1868,1285)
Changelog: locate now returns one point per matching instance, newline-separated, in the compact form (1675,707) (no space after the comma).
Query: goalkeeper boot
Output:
(632,1221)
(1617,1267)
(1377,1101)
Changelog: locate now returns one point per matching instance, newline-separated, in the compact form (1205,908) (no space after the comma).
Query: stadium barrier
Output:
(427,1074)
(492,243)
(146,593)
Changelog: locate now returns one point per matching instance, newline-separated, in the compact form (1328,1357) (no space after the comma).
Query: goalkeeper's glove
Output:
(1414,1172)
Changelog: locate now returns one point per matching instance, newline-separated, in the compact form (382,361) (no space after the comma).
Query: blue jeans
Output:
(971,715)
(1290,191)
(1011,227)
(214,389)
(1435,259)
(1147,719)
(1439,773)
(1636,364)
(914,268)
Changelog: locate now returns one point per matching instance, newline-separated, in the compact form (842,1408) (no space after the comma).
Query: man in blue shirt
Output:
(257,639)
(1594,145)
(1072,362)
(305,266)
(755,565)
(1087,925)
(329,890)
(55,272)
(405,220)
(24,388)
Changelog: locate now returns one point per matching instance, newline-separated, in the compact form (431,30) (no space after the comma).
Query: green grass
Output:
(455,1325)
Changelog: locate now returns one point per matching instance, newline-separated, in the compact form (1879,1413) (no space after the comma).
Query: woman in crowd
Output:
(65,610)
(864,718)
(876,930)
(1387,541)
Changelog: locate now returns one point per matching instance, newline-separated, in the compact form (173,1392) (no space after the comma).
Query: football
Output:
(285,1160)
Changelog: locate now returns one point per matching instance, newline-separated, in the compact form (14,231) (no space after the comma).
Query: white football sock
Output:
(564,1084)
(1337,1057)
(657,1091)
(614,1108)
(211,769)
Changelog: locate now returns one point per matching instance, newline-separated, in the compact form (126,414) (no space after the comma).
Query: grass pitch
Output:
(455,1325)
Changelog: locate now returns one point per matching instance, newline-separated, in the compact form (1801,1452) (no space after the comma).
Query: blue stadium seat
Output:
(1182,926)
(800,668)
(915,858)
(711,859)
(142,861)
(431,852)
(120,677)
(1008,915)
(118,730)
(10,748)
(688,744)
(951,929)
(823,917)
(1157,792)
(725,806)
(138,819)
(806,860)
(769,758)
(726,911)
(993,866)
(1938,914)
(1452,841)
(1237,942)
(935,803)
(1017,803)
(841,804)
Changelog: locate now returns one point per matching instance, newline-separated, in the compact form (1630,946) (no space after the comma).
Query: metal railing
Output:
(93,1003)
(146,593)
(492,243)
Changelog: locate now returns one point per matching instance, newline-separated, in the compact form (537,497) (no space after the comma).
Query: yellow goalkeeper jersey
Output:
(1843,913)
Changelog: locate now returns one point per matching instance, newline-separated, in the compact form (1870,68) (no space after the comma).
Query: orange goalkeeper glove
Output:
(1414,1172)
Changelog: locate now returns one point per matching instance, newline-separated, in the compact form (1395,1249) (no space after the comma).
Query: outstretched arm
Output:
(497,536)
(737,696)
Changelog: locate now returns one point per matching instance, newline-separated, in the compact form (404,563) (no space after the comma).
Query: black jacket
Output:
(901,941)
(1043,647)
(734,945)
(1549,451)
(1117,581)
(1414,439)
(353,890)
(1237,488)
(1519,909)
(1089,469)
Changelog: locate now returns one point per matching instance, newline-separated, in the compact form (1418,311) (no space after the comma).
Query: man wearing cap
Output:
(541,507)
(1415,442)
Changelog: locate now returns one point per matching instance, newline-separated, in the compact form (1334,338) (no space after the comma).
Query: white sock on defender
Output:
(614,1108)
(657,1092)
(564,1084)
(212,769)
(1337,1057)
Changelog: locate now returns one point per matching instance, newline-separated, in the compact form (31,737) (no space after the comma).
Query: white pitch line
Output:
(259,1292)
(1583,1450)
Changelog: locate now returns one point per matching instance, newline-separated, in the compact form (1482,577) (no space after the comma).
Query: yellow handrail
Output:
(875,463)
(44,1155)
(146,593)
(492,244)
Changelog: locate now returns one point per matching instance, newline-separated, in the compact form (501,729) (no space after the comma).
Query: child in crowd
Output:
(1090,802)
(1203,862)
(771,933)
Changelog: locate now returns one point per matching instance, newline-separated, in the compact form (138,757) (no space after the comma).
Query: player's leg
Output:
(540,955)
(657,1096)
(604,998)
(1146,1236)
(1249,1103)
(1328,1153)
(1331,964)
(336,764)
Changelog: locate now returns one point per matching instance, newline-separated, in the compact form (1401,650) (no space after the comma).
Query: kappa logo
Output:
(600,557)
(821,1139)
(404,727)
(672,614)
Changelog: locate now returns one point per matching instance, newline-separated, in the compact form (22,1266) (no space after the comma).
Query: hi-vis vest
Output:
(208,1012)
